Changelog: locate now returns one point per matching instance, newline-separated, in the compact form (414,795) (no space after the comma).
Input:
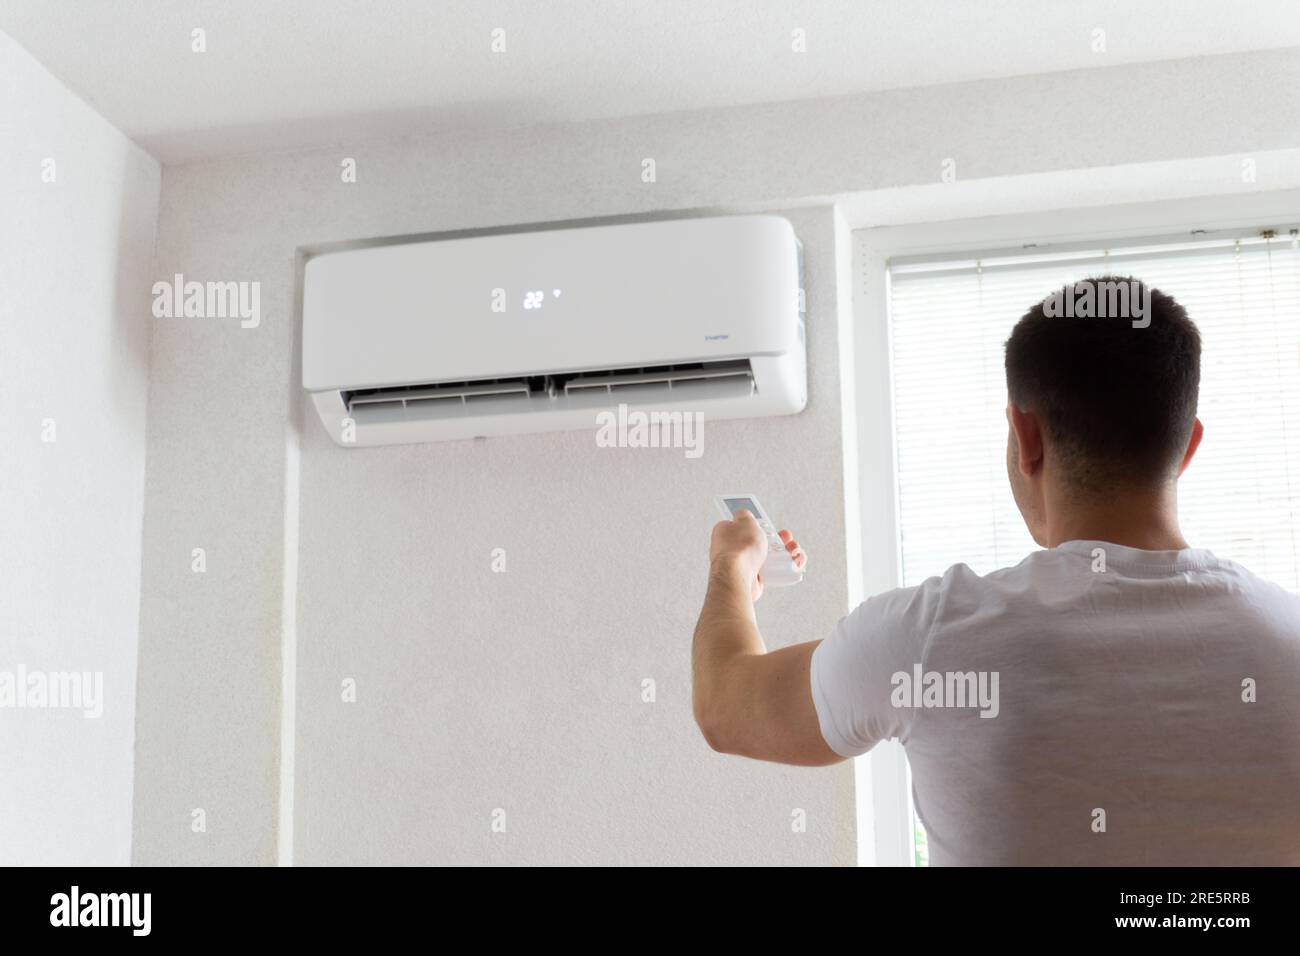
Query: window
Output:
(949,319)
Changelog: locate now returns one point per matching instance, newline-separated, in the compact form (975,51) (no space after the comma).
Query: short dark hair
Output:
(1116,398)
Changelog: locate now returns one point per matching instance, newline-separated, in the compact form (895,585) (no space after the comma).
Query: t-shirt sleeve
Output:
(853,669)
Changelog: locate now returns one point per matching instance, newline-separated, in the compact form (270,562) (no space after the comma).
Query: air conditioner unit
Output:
(539,331)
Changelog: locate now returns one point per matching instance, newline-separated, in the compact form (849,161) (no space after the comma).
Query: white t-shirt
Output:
(1144,714)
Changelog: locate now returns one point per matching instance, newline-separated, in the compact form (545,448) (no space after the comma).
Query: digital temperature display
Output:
(536,298)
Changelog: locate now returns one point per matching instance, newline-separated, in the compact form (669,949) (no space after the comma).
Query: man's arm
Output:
(749,702)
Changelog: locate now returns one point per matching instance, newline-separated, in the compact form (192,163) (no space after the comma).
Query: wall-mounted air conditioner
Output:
(538,331)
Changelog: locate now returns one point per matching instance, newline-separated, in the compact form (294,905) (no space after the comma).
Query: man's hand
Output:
(739,547)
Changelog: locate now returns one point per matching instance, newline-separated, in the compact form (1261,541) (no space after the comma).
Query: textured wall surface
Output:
(78,208)
(520,690)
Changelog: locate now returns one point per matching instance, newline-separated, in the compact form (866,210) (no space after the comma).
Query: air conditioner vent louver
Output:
(666,376)
(737,377)
(455,392)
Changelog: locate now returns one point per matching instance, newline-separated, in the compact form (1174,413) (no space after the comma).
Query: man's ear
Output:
(1029,439)
(1193,443)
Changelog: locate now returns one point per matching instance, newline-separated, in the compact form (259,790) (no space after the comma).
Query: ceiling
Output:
(306,72)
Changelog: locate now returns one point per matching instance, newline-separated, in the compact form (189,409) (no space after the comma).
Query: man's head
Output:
(1101,406)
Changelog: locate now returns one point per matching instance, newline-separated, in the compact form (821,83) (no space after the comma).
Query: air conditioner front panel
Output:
(605,297)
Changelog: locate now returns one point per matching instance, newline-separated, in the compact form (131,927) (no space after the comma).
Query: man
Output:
(1117,698)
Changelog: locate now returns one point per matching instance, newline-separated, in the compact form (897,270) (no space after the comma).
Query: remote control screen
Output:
(743,504)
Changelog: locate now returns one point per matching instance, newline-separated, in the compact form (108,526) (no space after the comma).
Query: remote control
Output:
(779,569)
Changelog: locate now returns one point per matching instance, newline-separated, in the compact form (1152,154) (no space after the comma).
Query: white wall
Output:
(75,262)
(519,690)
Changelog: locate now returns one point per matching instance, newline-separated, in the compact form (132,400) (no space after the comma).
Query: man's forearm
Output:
(727,631)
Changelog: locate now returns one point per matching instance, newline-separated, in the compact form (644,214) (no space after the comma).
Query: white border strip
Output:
(288,646)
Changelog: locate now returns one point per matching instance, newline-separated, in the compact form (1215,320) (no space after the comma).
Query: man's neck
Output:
(1148,522)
